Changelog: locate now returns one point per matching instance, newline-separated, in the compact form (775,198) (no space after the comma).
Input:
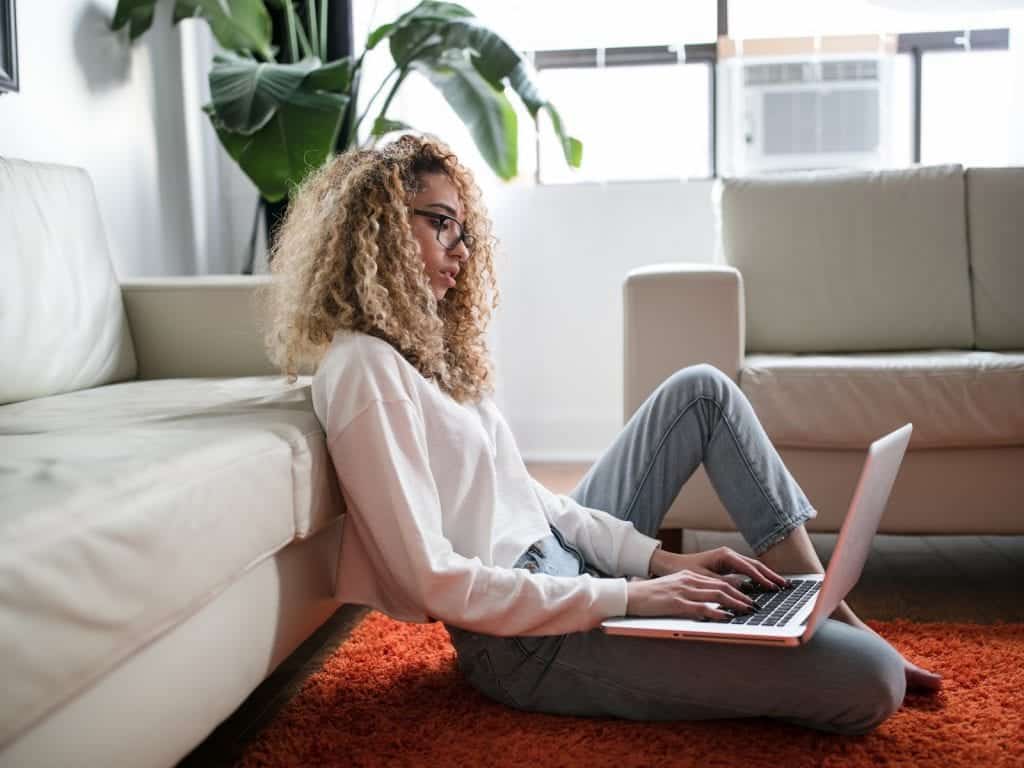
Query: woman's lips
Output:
(448,279)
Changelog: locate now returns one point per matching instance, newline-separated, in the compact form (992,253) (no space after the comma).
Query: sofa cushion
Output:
(62,323)
(995,206)
(850,261)
(954,398)
(128,507)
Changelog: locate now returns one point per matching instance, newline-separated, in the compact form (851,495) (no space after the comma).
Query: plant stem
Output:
(374,98)
(314,32)
(420,46)
(307,49)
(289,22)
(387,101)
(394,90)
(350,133)
(323,30)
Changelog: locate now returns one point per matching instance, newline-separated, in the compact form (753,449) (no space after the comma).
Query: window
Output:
(636,88)
(965,107)
(966,83)
(652,96)
(797,18)
(638,122)
(948,86)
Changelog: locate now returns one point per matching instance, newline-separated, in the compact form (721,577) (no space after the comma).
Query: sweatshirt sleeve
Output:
(383,465)
(612,544)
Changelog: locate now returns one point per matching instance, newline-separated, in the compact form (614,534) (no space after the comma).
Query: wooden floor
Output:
(977,579)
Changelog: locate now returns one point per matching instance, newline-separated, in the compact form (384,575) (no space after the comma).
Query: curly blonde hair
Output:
(345,258)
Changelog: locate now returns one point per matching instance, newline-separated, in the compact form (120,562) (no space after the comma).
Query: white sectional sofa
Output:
(846,304)
(169,517)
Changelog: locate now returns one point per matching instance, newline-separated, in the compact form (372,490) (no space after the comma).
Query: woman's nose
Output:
(461,252)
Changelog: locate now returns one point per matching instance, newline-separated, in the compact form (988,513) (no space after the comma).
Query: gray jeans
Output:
(845,680)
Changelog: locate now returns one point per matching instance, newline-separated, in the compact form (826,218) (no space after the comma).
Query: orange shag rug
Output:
(392,695)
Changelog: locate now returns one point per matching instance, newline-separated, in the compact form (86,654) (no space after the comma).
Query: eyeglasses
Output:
(449,231)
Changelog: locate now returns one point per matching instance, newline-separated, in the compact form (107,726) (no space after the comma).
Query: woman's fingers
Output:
(699,610)
(769,574)
(721,597)
(726,559)
(719,591)
(755,569)
(735,579)
(720,583)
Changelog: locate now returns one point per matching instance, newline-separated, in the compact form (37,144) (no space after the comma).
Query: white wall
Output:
(1017,97)
(565,251)
(89,99)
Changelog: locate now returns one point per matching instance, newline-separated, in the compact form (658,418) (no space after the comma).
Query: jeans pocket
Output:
(543,647)
(486,679)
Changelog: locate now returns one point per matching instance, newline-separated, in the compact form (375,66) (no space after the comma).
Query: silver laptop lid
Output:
(869,499)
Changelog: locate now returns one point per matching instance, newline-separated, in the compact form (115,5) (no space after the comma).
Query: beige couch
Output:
(169,518)
(846,304)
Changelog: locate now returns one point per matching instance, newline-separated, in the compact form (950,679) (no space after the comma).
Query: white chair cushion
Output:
(127,507)
(62,322)
(850,261)
(995,205)
(954,398)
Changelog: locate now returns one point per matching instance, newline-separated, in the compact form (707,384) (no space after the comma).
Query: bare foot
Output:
(918,678)
(921,680)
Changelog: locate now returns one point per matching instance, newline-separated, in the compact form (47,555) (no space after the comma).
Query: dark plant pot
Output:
(273,215)
(339,43)
(269,216)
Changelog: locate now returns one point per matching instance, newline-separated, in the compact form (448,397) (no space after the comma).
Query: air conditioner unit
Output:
(807,113)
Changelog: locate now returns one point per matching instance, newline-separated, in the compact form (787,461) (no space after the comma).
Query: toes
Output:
(921,679)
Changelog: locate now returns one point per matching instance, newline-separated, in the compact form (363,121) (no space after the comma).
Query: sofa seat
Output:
(955,399)
(127,507)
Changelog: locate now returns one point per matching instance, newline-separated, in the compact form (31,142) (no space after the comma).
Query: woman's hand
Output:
(685,594)
(724,563)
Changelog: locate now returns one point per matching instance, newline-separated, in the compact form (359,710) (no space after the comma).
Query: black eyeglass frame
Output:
(440,219)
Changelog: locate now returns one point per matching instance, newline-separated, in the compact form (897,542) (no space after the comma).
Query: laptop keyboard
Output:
(776,608)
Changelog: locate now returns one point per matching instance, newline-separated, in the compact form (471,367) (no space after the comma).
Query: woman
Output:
(384,280)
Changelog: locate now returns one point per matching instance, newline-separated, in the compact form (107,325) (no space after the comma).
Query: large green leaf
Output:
(245,93)
(334,76)
(296,140)
(426,11)
(493,57)
(383,125)
(424,39)
(137,14)
(238,25)
(482,107)
(572,148)
(527,91)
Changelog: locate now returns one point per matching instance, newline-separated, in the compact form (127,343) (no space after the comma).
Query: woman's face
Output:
(438,203)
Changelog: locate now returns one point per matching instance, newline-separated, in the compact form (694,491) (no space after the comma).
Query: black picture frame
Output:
(8,47)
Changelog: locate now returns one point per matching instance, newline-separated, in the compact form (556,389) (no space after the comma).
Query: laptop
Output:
(791,616)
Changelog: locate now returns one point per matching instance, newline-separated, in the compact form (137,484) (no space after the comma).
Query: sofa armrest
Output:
(201,326)
(677,315)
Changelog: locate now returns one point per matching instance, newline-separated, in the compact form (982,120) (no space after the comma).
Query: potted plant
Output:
(280,113)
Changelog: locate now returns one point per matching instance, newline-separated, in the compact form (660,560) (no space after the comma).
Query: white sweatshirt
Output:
(440,506)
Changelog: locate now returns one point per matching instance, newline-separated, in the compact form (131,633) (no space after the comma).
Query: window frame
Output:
(645,55)
(915,44)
